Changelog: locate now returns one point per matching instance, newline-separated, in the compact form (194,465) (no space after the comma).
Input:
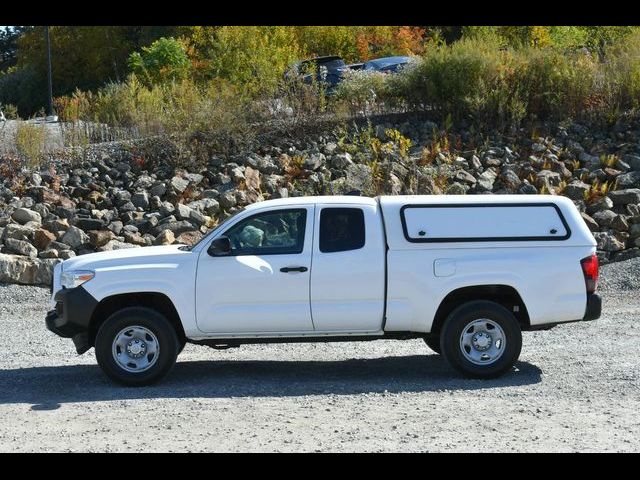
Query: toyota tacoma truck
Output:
(467,274)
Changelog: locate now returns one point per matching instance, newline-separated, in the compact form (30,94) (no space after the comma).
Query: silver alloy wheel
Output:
(135,349)
(482,341)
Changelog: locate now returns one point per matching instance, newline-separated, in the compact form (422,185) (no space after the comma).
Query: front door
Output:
(262,286)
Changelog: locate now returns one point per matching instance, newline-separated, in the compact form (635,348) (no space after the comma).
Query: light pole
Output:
(51,117)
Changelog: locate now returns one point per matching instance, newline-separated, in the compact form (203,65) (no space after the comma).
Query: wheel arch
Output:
(154,300)
(504,295)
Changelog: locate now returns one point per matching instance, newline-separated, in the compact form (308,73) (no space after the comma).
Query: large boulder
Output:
(589,161)
(341,160)
(576,190)
(548,178)
(227,200)
(629,180)
(189,238)
(89,224)
(116,245)
(49,196)
(74,237)
(622,197)
(359,177)
(632,160)
(626,254)
(178,184)
(591,223)
(140,200)
(165,237)
(206,206)
(486,180)
(135,238)
(510,179)
(604,217)
(24,215)
(20,247)
(183,212)
(25,270)
(603,203)
(608,241)
(176,227)
(42,238)
(99,238)
(314,162)
(252,178)
(463,176)
(19,232)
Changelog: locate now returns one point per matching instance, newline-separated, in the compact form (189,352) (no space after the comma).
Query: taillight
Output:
(590,271)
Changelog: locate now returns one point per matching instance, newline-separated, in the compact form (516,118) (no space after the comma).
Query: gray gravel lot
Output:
(576,388)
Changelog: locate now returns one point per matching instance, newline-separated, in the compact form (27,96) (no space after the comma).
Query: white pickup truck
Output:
(467,274)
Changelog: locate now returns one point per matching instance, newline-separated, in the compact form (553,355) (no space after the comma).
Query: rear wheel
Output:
(136,346)
(481,339)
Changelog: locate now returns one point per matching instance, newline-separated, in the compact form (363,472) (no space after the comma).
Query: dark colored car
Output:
(355,66)
(328,70)
(387,64)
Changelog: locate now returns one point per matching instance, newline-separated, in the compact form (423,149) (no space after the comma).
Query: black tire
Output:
(433,343)
(150,319)
(459,320)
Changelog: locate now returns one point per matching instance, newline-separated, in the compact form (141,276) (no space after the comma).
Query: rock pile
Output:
(112,200)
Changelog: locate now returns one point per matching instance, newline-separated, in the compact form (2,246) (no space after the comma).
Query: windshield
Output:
(333,64)
(215,230)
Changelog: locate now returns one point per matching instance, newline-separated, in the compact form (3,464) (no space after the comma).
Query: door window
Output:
(269,233)
(341,229)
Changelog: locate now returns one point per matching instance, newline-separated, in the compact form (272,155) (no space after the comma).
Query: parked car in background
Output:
(328,70)
(387,64)
(355,66)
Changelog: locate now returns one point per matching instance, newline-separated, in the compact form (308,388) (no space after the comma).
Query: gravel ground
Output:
(576,388)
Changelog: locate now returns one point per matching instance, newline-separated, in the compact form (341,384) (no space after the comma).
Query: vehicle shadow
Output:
(46,388)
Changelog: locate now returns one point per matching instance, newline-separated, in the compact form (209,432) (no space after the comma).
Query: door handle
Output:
(293,269)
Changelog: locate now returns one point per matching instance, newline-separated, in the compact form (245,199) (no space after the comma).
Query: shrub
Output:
(480,80)
(164,60)
(215,113)
(31,142)
(470,77)
(619,82)
(363,92)
(555,85)
(10,111)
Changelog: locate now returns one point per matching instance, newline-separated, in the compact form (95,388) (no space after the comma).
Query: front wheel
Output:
(136,346)
(481,339)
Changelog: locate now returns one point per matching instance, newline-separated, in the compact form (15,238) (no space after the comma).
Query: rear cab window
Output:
(341,229)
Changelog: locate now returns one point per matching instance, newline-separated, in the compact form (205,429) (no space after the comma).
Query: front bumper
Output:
(72,316)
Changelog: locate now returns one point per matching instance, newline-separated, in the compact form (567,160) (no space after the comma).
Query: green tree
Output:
(9,46)
(164,60)
(254,57)
(84,57)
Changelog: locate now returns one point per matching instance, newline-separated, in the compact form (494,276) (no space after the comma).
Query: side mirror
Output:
(219,247)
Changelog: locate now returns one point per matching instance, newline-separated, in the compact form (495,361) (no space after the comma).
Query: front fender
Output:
(174,280)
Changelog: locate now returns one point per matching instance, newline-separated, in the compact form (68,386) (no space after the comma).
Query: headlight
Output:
(75,278)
